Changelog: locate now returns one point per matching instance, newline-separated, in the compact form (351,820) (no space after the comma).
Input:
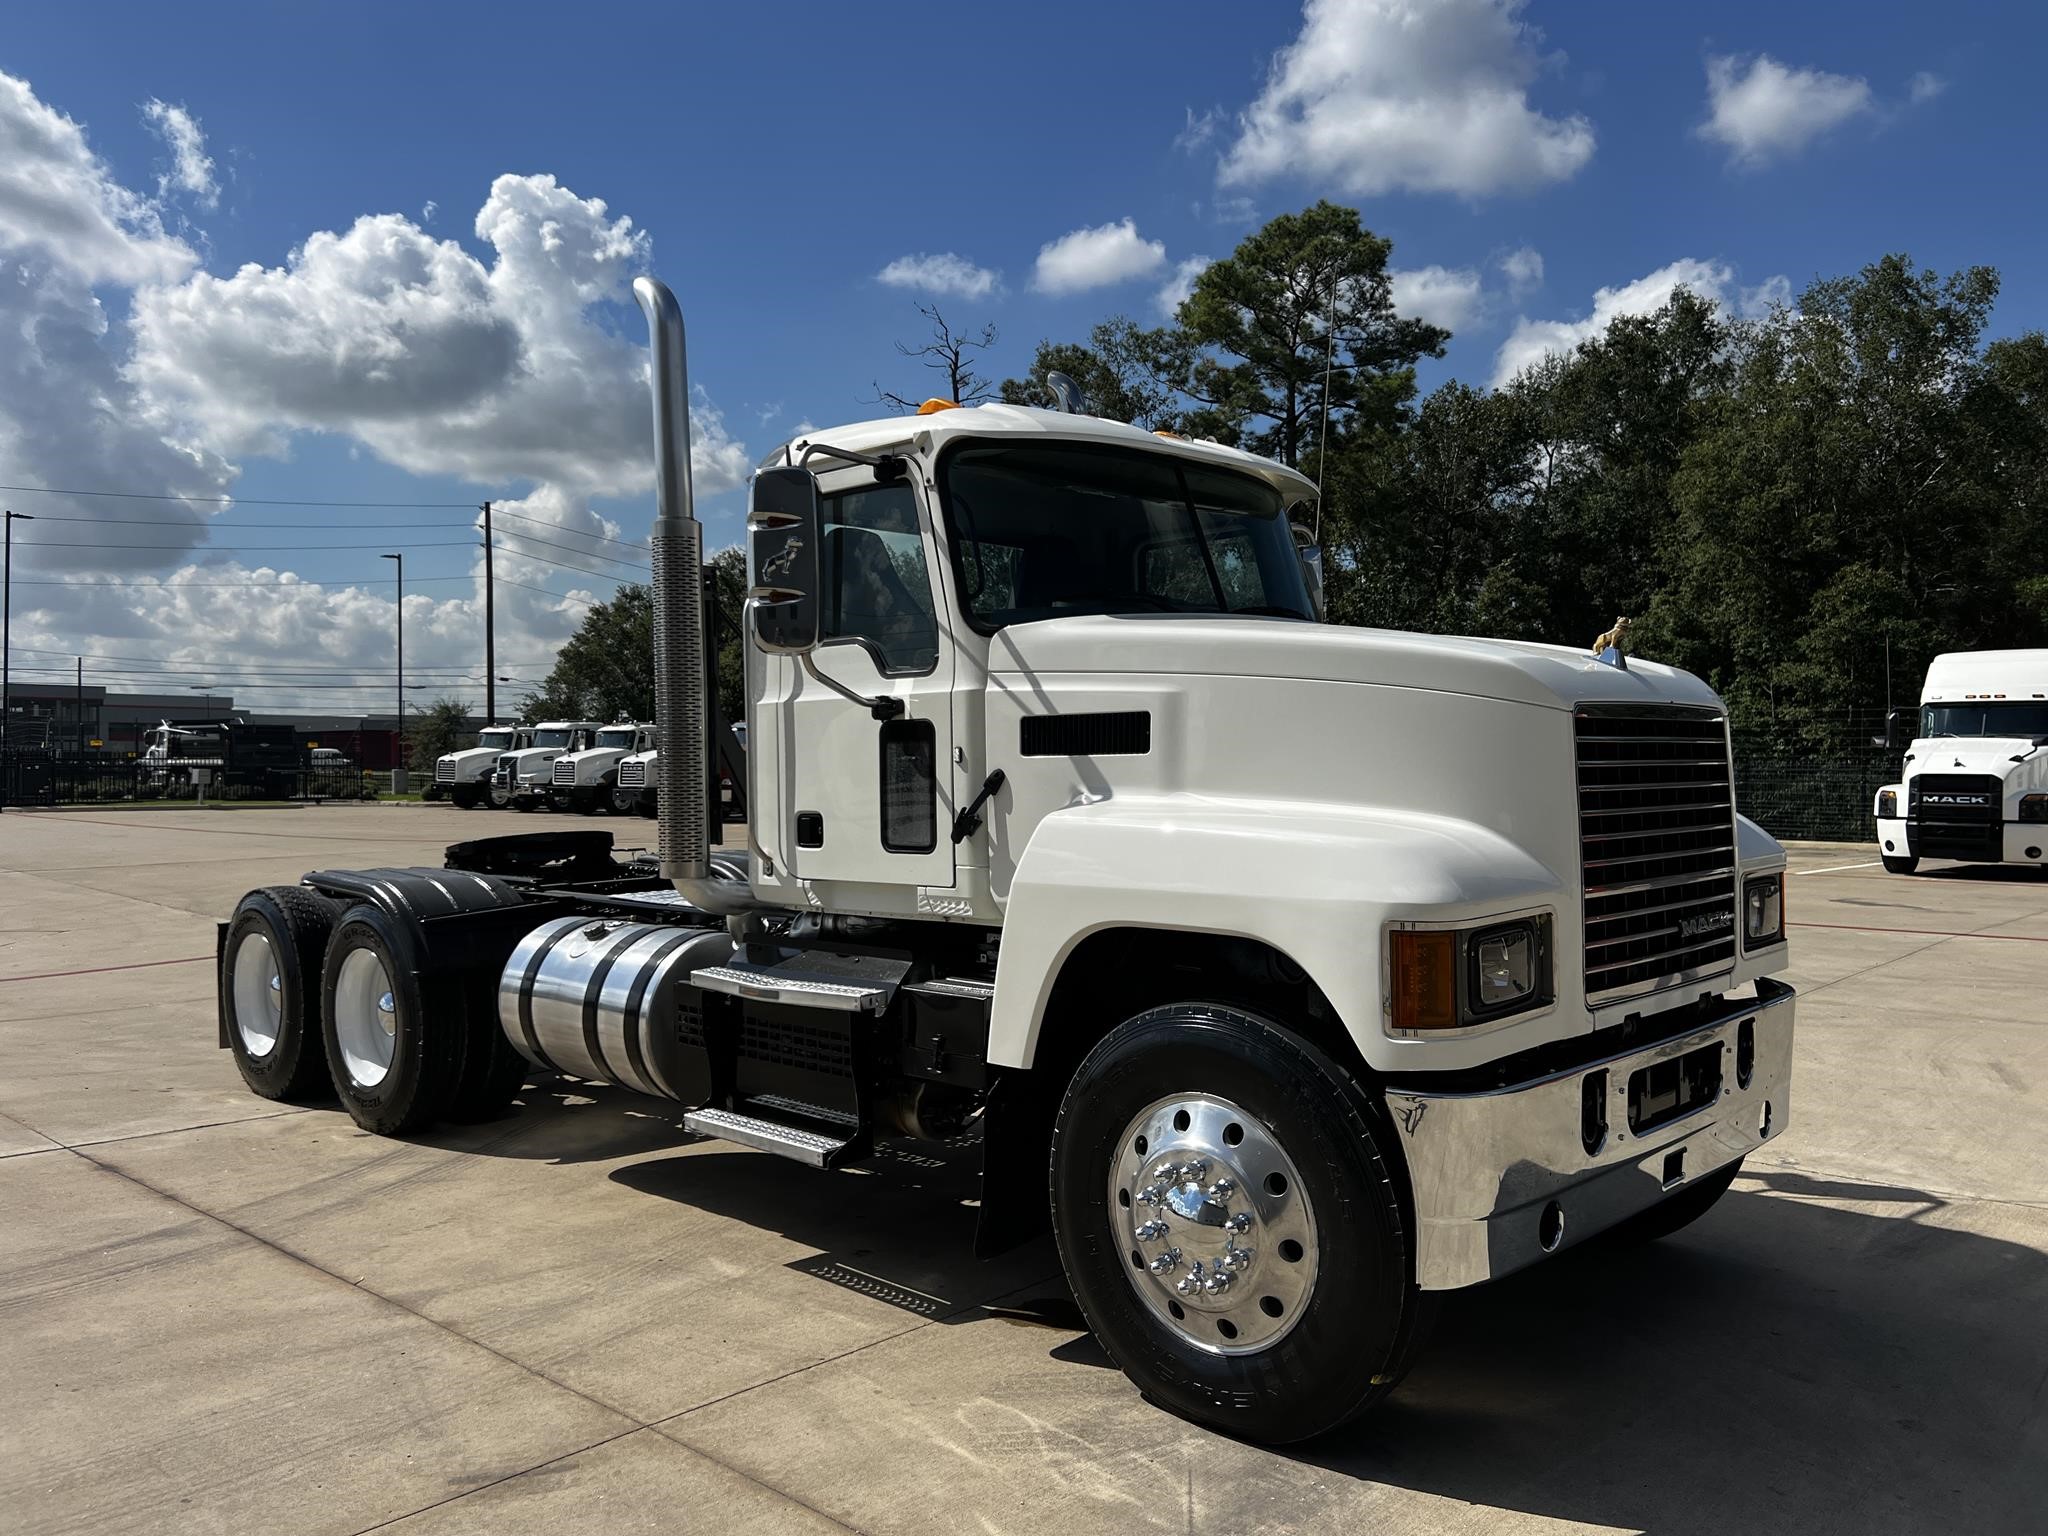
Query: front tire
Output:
(1900,865)
(620,802)
(395,1065)
(1229,1225)
(270,990)
(465,797)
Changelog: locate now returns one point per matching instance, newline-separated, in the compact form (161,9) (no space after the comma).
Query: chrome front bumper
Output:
(1503,1178)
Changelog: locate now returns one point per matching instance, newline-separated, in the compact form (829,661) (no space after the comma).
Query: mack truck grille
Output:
(444,773)
(1656,845)
(565,772)
(632,775)
(1956,816)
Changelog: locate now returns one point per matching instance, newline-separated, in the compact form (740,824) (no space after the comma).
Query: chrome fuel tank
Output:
(602,998)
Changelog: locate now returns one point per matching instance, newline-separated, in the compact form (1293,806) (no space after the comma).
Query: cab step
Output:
(793,987)
(811,1148)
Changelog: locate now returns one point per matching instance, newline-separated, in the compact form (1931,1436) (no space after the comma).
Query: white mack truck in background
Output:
(637,776)
(469,775)
(1291,973)
(588,780)
(524,776)
(1975,785)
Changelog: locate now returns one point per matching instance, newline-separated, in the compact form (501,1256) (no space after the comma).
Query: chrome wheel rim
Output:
(259,994)
(1214,1224)
(365,1018)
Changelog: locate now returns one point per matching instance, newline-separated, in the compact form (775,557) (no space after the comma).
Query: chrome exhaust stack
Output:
(680,707)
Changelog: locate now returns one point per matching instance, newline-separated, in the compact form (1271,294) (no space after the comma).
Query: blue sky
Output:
(773,163)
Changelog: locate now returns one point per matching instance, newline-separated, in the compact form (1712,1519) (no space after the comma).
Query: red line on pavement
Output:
(95,970)
(1932,933)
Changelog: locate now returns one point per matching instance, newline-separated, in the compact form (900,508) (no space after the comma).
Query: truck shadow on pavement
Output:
(1782,1366)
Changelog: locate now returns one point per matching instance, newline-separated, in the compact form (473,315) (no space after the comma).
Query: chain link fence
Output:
(1815,782)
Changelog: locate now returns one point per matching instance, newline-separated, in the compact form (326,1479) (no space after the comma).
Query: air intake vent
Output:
(1657,847)
(1127,733)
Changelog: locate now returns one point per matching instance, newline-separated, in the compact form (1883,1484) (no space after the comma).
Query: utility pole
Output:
(490,629)
(78,712)
(398,784)
(7,622)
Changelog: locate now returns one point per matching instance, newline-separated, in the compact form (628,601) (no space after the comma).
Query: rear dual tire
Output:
(405,1047)
(1319,1317)
(271,967)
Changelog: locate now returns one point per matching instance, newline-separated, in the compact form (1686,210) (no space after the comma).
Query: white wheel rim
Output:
(365,1018)
(259,994)
(1214,1224)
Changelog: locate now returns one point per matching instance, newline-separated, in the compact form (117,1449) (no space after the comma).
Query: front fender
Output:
(1317,883)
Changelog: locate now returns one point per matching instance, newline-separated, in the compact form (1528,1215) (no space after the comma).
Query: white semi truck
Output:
(588,780)
(524,776)
(1975,785)
(1292,974)
(469,775)
(638,776)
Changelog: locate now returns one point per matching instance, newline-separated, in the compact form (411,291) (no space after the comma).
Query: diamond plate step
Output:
(788,1141)
(778,986)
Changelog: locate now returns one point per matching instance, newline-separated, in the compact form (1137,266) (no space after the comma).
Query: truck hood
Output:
(1991,755)
(603,757)
(470,757)
(1551,676)
(530,757)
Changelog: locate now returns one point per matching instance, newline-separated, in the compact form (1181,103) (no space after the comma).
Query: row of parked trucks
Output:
(573,765)
(1291,974)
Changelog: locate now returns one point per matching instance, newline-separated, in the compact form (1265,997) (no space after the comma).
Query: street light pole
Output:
(398,780)
(7,624)
(490,628)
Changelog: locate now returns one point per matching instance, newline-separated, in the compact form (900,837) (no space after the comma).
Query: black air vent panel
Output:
(1126,733)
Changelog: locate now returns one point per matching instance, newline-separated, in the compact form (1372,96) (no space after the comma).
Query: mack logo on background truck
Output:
(1290,973)
(1975,785)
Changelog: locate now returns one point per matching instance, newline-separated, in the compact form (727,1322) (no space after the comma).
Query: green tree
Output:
(1124,371)
(606,669)
(442,727)
(1304,298)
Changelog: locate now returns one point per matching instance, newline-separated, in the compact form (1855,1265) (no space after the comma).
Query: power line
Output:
(588,554)
(239,501)
(173,586)
(237,549)
(544,523)
(210,523)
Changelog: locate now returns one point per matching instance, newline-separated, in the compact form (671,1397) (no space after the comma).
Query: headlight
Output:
(1763,911)
(1888,805)
(2034,808)
(1446,979)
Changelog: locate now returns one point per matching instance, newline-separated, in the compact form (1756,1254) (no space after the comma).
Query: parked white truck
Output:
(588,780)
(638,775)
(469,775)
(525,775)
(1291,973)
(1975,785)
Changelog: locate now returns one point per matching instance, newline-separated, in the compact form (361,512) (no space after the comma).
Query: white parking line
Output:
(1834,869)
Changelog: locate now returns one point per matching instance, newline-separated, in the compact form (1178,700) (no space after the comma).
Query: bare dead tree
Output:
(950,353)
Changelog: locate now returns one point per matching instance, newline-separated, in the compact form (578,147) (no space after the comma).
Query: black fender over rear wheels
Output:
(395,1044)
(1230,1225)
(270,990)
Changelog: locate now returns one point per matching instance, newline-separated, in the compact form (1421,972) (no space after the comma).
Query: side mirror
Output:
(1311,554)
(1890,739)
(783,530)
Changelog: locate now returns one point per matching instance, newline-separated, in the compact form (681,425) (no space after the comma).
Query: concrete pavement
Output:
(218,1313)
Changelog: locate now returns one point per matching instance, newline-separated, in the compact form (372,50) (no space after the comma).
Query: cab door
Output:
(868,763)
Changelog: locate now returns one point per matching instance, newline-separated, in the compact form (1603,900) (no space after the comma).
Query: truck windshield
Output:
(562,738)
(1043,530)
(501,740)
(1996,719)
(620,739)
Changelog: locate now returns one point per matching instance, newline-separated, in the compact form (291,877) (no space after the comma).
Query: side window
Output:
(876,587)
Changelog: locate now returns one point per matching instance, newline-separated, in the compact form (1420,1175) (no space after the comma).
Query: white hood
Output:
(1555,676)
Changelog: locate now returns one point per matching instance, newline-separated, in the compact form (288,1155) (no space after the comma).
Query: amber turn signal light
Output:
(1425,979)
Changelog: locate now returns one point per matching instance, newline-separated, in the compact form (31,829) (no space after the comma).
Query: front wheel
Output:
(1904,865)
(620,802)
(1230,1226)
(496,798)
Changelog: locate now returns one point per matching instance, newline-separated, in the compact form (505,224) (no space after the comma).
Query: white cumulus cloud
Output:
(1445,296)
(1095,258)
(437,362)
(1180,282)
(131,370)
(1760,110)
(940,272)
(1532,340)
(1377,96)
(1924,87)
(191,167)
(1523,269)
